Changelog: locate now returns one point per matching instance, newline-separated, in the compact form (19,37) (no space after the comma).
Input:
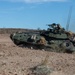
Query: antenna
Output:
(69,17)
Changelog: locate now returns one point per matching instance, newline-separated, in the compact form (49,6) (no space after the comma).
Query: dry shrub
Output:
(43,68)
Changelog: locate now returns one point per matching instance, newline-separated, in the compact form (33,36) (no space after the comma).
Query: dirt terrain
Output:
(15,60)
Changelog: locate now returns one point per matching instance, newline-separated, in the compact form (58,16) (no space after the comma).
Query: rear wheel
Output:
(67,47)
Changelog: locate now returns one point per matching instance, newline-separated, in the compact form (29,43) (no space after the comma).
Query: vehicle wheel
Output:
(16,42)
(67,47)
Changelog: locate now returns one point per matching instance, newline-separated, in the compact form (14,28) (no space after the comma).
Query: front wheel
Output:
(16,42)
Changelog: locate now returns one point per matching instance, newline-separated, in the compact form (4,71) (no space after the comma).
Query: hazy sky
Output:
(35,14)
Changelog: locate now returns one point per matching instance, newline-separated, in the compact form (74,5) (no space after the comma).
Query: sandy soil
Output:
(15,60)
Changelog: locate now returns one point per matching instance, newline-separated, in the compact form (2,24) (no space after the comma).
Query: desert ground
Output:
(16,60)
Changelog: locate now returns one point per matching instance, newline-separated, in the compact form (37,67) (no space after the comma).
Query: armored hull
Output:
(52,39)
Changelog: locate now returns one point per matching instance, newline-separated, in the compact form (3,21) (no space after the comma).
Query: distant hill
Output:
(13,30)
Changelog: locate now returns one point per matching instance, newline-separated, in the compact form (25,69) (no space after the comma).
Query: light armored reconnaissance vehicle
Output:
(55,38)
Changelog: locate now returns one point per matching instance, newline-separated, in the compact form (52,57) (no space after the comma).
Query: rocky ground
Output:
(15,60)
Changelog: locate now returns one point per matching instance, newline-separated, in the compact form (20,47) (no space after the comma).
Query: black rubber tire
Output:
(68,46)
(16,42)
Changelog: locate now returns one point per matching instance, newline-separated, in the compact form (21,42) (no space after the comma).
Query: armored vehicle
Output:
(55,38)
